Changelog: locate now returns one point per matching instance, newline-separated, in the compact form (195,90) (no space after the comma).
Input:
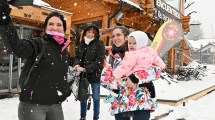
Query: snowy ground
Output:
(202,109)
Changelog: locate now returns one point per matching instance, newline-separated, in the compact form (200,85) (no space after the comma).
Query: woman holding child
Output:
(130,96)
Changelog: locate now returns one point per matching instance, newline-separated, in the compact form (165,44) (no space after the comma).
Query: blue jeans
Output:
(28,111)
(96,102)
(137,115)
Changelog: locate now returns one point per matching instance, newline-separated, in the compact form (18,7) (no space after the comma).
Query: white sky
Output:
(205,15)
(202,109)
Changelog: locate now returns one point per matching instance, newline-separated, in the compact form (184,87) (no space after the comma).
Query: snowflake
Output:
(75,4)
(59,93)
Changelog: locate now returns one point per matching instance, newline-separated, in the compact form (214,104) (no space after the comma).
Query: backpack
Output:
(30,64)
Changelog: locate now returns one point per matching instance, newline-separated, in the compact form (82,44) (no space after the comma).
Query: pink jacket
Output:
(140,59)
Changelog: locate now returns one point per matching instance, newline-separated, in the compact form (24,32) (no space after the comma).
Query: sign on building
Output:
(167,12)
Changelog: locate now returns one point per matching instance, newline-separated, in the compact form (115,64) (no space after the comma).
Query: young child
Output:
(140,62)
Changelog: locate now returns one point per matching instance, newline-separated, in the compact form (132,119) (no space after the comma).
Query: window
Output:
(207,50)
(173,3)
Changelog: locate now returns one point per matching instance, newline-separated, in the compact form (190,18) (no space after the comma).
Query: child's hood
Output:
(140,37)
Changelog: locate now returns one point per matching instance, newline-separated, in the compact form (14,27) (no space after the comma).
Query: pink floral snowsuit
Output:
(138,60)
(129,99)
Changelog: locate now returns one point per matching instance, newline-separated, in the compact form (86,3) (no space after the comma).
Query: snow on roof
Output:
(132,4)
(196,44)
(40,3)
(193,64)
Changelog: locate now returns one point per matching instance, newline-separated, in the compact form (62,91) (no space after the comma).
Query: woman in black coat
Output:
(90,55)
(46,87)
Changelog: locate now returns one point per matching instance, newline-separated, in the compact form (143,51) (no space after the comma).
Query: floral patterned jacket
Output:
(129,99)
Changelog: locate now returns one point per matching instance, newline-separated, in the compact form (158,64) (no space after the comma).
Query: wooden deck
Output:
(178,102)
(183,100)
(10,92)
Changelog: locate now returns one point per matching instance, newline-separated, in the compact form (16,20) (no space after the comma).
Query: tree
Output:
(196,32)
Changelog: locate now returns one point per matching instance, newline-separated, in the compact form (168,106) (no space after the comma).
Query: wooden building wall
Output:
(91,10)
(84,11)
(35,16)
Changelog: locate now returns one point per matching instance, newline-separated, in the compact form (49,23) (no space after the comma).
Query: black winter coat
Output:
(91,57)
(47,83)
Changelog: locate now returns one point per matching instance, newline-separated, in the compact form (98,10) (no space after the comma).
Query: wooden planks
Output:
(35,16)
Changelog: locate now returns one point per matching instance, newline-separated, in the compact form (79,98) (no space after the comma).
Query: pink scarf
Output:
(59,38)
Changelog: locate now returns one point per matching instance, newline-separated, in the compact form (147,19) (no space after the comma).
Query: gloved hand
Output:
(4,12)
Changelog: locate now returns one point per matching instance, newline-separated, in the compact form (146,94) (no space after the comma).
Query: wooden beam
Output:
(112,1)
(91,11)
(87,20)
(35,16)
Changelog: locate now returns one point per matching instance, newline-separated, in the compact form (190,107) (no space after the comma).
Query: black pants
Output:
(136,115)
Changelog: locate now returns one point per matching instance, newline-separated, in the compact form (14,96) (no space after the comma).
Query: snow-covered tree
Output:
(196,32)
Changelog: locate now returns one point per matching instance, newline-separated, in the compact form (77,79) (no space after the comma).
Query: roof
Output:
(41,3)
(132,4)
(196,44)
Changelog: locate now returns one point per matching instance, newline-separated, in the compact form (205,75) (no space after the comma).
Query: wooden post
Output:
(213,58)
(172,58)
(105,25)
(200,54)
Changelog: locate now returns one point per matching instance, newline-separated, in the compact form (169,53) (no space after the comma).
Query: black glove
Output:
(133,78)
(4,12)
(151,89)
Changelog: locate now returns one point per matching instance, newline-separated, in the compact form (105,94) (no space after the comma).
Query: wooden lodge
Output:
(145,15)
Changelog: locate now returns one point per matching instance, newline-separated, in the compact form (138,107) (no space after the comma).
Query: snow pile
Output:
(193,64)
